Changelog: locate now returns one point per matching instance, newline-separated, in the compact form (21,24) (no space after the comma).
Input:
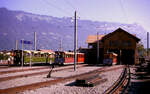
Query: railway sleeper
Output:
(85,79)
(90,81)
(96,82)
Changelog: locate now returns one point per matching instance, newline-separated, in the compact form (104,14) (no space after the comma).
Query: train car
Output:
(110,59)
(62,57)
(37,57)
(17,57)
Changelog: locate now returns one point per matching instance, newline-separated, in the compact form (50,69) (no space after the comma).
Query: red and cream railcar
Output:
(62,57)
(110,59)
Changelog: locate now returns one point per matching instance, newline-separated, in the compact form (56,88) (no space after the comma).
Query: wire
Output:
(66,11)
(72,6)
(58,8)
(124,12)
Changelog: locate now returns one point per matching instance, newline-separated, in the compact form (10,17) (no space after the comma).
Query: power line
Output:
(56,7)
(72,6)
(123,10)
(67,9)
(51,7)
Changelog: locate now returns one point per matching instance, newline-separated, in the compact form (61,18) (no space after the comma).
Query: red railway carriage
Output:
(110,59)
(62,57)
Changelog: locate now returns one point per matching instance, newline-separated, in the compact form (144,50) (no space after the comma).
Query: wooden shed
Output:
(120,42)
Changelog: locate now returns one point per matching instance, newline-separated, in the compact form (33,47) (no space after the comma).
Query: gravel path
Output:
(69,88)
(41,78)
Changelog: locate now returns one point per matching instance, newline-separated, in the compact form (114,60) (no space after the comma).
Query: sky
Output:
(123,11)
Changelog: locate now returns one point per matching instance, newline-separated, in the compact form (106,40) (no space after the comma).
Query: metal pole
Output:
(147,43)
(75,40)
(16,45)
(60,45)
(35,41)
(97,48)
(30,55)
(22,53)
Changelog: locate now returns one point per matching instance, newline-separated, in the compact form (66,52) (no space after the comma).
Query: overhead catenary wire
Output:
(51,7)
(123,10)
(71,5)
(58,8)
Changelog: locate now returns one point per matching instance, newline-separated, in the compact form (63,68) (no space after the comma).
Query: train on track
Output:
(110,59)
(62,57)
(57,57)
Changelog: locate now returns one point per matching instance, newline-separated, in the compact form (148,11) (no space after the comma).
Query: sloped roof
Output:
(121,30)
(93,38)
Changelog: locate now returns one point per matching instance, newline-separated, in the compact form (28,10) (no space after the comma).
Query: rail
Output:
(122,83)
(33,86)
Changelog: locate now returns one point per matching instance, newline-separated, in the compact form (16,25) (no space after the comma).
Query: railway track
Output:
(27,69)
(21,70)
(14,90)
(121,85)
(33,74)
(3,67)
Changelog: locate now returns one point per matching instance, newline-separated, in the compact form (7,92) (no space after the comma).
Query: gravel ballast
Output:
(40,78)
(70,88)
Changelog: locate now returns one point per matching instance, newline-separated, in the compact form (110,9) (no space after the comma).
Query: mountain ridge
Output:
(17,25)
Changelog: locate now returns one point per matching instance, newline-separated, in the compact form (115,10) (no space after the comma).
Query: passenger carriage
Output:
(62,57)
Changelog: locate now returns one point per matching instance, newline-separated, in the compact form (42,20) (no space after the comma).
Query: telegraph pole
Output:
(97,48)
(75,40)
(31,55)
(60,45)
(35,41)
(22,53)
(16,45)
(147,43)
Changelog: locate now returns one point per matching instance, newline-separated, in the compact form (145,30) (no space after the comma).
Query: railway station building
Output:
(119,42)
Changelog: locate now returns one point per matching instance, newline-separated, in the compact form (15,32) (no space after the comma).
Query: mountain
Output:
(17,25)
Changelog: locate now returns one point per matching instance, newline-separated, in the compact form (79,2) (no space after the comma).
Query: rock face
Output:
(17,25)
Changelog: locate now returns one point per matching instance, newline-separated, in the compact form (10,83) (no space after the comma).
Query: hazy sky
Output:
(124,11)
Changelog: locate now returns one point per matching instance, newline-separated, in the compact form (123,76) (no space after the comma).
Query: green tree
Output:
(140,50)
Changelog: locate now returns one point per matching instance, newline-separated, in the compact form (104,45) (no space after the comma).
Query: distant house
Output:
(119,41)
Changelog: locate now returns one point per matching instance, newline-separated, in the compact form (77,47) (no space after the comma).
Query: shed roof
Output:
(121,30)
(93,38)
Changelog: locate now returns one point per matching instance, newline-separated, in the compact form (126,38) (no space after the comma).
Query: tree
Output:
(140,50)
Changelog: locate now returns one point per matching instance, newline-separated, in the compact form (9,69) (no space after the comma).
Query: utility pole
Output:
(60,45)
(75,40)
(22,53)
(31,55)
(97,48)
(16,45)
(35,41)
(147,43)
